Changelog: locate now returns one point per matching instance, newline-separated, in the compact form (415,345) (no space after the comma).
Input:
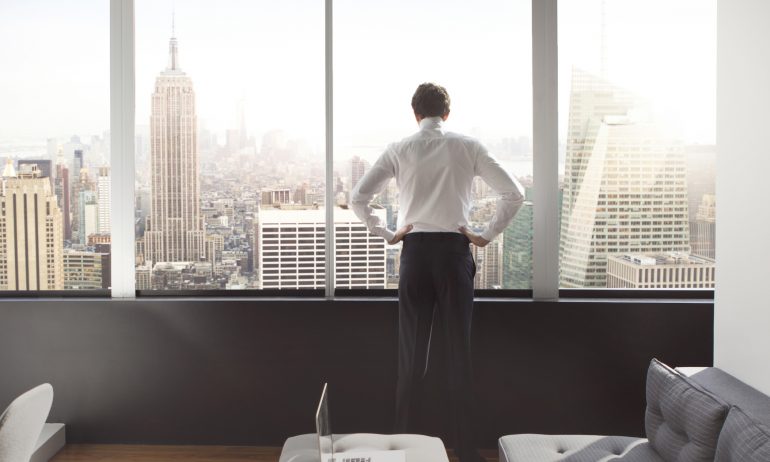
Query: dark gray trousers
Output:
(435,293)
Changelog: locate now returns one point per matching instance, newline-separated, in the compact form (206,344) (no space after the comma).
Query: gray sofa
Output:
(703,417)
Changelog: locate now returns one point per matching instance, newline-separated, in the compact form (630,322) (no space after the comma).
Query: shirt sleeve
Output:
(509,189)
(372,183)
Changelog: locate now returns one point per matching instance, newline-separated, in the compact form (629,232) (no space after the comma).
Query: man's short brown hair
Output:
(430,100)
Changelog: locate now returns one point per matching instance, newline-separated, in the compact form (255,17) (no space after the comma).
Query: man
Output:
(434,170)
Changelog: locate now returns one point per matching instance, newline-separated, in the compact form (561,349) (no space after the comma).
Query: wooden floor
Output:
(137,453)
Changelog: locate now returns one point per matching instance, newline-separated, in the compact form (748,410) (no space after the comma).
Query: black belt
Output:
(436,237)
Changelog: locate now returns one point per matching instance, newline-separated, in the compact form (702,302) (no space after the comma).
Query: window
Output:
(637,116)
(481,52)
(230,139)
(55,145)
(229,153)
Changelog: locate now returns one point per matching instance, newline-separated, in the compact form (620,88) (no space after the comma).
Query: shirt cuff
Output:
(385,233)
(488,235)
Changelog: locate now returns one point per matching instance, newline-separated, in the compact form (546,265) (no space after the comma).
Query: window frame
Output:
(545,258)
(64,293)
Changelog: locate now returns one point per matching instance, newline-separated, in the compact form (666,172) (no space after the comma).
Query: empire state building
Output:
(174,229)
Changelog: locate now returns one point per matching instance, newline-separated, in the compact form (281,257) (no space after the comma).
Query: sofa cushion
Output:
(735,393)
(682,420)
(743,439)
(575,448)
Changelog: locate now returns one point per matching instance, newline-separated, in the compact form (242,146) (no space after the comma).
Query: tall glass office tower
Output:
(625,184)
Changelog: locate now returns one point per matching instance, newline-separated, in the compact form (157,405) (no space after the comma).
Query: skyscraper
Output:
(517,248)
(701,189)
(83,189)
(83,270)
(275,196)
(290,251)
(625,184)
(174,229)
(44,165)
(30,233)
(591,99)
(103,197)
(52,149)
(88,215)
(143,277)
(701,174)
(78,161)
(489,264)
(62,192)
(300,194)
(703,228)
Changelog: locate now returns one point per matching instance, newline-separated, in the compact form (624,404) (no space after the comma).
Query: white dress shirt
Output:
(434,171)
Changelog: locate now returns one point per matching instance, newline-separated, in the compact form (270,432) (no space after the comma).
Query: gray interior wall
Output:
(236,371)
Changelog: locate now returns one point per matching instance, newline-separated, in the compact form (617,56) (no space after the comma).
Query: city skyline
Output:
(209,160)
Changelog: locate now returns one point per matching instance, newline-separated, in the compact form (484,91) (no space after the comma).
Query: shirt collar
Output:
(431,123)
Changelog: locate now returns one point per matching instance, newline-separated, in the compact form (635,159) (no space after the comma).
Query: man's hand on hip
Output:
(400,234)
(475,239)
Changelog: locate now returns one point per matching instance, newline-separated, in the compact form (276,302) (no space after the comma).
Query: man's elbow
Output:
(358,205)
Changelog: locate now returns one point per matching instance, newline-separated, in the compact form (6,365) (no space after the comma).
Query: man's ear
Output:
(446,115)
(418,117)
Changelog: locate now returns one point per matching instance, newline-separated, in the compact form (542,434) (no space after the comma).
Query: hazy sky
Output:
(54,62)
(661,49)
(54,68)
(269,53)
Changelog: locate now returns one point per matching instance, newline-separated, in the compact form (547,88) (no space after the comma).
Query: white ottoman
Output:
(575,448)
(418,448)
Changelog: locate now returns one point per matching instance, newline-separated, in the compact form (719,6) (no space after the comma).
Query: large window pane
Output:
(54,141)
(230,159)
(637,117)
(481,52)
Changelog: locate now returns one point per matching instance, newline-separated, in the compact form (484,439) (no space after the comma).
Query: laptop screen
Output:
(326,440)
(323,426)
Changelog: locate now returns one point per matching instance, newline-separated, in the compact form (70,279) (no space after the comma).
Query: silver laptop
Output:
(326,440)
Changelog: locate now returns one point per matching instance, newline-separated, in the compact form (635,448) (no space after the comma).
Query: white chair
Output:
(22,422)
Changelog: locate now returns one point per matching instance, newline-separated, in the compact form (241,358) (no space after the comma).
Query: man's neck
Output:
(431,122)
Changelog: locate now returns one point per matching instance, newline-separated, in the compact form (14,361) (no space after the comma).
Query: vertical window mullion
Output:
(545,246)
(122,80)
(329,184)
